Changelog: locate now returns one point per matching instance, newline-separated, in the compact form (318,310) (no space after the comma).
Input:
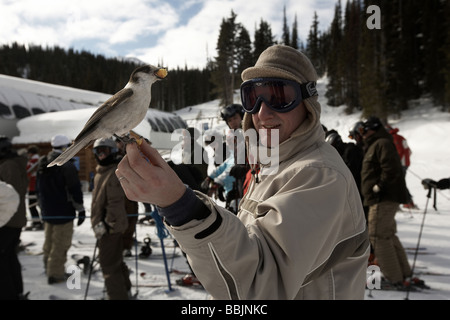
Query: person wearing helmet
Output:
(13,172)
(132,208)
(354,134)
(60,197)
(232,115)
(240,173)
(109,219)
(384,188)
(287,242)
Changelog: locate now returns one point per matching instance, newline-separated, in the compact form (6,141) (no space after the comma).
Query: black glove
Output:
(428,183)
(81,217)
(443,184)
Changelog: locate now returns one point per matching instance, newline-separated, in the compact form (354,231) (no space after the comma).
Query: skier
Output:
(59,192)
(109,220)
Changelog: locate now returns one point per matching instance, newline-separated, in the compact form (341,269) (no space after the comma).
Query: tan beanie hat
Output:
(281,61)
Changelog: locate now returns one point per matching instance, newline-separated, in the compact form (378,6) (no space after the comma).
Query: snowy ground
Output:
(427,130)
(150,271)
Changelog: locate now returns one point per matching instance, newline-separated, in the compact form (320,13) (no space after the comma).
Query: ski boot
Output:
(146,250)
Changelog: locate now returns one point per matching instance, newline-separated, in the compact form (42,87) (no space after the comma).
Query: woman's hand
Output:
(146,177)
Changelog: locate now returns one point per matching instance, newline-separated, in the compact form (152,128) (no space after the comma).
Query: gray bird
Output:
(119,114)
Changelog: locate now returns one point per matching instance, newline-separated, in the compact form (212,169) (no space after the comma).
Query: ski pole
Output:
(136,259)
(90,269)
(173,256)
(162,233)
(418,242)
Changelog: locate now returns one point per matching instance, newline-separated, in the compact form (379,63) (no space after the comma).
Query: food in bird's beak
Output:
(161,73)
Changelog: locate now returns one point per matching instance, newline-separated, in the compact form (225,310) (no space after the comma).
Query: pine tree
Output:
(371,89)
(244,46)
(294,39)
(227,60)
(312,45)
(263,39)
(285,37)
(446,49)
(351,38)
(335,93)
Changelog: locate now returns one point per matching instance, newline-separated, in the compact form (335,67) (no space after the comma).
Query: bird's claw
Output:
(130,138)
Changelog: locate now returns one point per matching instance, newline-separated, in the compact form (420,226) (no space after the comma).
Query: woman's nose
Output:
(265,111)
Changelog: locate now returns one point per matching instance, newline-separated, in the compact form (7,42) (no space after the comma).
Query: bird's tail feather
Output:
(68,154)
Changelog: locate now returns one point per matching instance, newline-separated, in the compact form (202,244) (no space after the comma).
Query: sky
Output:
(173,33)
(426,128)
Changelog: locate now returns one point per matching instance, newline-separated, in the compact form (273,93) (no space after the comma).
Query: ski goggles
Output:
(280,95)
(98,151)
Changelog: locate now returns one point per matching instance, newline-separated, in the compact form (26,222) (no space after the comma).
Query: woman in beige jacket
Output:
(300,232)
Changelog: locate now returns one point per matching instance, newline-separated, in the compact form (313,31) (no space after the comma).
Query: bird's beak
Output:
(161,73)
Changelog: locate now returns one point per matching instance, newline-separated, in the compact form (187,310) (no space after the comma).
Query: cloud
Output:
(175,31)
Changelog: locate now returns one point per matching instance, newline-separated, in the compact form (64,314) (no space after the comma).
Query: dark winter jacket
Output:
(13,171)
(382,167)
(353,158)
(59,190)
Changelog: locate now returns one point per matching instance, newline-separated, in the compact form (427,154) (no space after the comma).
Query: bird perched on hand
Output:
(119,114)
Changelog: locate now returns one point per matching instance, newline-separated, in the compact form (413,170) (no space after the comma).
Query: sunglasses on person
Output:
(280,95)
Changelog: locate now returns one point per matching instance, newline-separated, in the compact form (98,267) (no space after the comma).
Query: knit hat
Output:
(281,61)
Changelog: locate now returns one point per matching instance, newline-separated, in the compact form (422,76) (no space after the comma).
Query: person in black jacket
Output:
(12,171)
(350,153)
(384,188)
(60,197)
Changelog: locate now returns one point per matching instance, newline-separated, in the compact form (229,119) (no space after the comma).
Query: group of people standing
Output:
(378,161)
(299,232)
(55,201)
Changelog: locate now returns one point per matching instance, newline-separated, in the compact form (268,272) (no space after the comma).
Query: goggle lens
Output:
(280,95)
(99,150)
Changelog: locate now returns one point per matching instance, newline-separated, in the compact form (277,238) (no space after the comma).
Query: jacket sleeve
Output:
(73,186)
(389,163)
(9,202)
(284,243)
(116,214)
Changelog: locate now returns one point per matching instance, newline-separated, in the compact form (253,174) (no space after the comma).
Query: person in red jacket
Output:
(32,164)
(404,152)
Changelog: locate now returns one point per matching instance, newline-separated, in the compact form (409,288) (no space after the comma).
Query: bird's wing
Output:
(109,104)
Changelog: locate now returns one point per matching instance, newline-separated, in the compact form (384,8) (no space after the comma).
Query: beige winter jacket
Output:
(299,234)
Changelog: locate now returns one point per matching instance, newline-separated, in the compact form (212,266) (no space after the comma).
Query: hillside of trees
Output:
(375,61)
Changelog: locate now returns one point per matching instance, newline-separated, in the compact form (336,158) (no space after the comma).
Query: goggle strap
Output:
(308,89)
